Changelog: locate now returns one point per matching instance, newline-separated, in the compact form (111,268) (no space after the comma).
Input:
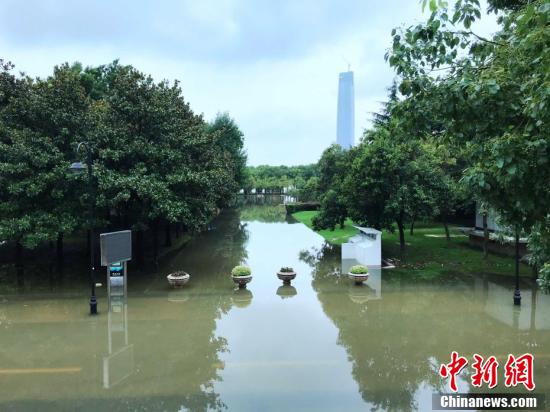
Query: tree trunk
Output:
(412,228)
(59,248)
(447,234)
(19,265)
(51,259)
(139,247)
(485,237)
(155,243)
(401,234)
(168,236)
(177,230)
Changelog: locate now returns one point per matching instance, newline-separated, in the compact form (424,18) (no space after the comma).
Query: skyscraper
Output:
(345,121)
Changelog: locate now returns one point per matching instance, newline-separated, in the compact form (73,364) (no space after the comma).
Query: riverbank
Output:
(427,253)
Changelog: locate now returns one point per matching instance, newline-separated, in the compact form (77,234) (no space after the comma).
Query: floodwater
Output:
(320,344)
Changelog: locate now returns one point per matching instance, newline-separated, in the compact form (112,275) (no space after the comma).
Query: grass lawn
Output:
(428,253)
(335,237)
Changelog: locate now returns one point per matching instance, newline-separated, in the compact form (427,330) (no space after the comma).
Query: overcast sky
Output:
(273,65)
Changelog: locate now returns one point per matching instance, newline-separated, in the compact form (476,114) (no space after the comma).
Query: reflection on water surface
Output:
(320,344)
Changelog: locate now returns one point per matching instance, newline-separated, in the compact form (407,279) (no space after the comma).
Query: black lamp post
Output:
(79,167)
(517,293)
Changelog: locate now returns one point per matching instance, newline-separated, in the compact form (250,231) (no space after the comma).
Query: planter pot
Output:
(358,279)
(178,279)
(241,280)
(286,277)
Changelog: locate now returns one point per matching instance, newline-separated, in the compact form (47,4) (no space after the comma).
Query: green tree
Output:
(39,121)
(389,181)
(488,95)
(230,140)
(332,167)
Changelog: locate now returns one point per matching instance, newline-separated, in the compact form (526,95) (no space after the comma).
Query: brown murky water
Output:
(320,344)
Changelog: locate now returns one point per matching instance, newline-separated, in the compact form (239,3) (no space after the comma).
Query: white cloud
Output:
(272,65)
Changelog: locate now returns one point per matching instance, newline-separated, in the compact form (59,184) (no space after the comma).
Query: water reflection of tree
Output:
(263,213)
(210,258)
(176,349)
(396,343)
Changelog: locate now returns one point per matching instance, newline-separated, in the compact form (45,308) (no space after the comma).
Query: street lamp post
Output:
(517,293)
(79,167)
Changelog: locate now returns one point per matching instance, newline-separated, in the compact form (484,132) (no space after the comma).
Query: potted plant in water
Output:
(358,274)
(178,279)
(286,274)
(241,275)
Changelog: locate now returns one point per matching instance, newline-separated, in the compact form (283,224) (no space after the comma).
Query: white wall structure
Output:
(491,220)
(345,120)
(365,247)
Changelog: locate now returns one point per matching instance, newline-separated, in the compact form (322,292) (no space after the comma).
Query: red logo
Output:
(520,370)
(452,369)
(516,371)
(485,371)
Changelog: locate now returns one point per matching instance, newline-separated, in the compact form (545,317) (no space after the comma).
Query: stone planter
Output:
(358,279)
(241,280)
(286,277)
(178,279)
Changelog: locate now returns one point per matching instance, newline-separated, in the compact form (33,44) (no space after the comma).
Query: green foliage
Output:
(286,269)
(544,277)
(393,181)
(336,236)
(300,207)
(489,97)
(263,213)
(241,271)
(230,141)
(333,212)
(38,122)
(154,160)
(539,243)
(276,178)
(428,254)
(309,190)
(359,270)
(333,167)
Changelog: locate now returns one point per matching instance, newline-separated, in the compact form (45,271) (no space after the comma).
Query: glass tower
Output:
(345,121)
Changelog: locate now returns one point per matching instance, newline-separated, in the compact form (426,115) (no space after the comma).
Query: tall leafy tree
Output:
(332,167)
(39,121)
(389,181)
(230,140)
(488,95)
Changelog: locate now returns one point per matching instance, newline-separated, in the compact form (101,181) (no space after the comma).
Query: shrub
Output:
(300,207)
(286,269)
(241,271)
(544,277)
(359,270)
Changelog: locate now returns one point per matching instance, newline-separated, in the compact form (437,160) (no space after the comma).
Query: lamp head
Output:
(77,167)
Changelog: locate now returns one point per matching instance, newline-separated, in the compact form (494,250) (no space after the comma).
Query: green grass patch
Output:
(428,253)
(336,236)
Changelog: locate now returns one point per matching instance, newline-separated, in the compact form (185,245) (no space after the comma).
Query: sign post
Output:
(116,251)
